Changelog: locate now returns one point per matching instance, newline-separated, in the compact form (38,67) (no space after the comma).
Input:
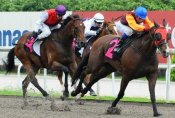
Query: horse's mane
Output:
(69,18)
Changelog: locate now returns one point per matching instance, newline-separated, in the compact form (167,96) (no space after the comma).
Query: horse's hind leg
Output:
(86,81)
(25,84)
(34,81)
(79,70)
(31,72)
(152,82)
(103,72)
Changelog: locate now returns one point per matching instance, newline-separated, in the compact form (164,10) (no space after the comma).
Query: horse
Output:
(108,27)
(138,60)
(56,53)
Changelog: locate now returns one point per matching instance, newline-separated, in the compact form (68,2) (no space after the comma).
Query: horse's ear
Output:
(105,23)
(156,25)
(164,23)
(112,19)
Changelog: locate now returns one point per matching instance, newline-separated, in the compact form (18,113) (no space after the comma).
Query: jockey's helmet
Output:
(98,17)
(60,10)
(141,12)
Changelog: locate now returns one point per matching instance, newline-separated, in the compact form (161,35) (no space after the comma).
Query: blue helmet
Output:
(141,12)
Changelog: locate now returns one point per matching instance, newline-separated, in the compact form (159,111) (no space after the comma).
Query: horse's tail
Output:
(10,63)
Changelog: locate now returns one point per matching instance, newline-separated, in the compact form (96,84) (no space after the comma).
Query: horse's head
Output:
(108,27)
(77,29)
(161,36)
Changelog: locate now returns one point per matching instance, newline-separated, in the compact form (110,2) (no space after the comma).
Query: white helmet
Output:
(98,17)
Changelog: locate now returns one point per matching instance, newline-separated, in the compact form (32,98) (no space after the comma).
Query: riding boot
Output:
(32,39)
(121,42)
(118,47)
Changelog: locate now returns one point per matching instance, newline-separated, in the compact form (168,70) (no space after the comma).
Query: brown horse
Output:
(138,60)
(56,53)
(107,28)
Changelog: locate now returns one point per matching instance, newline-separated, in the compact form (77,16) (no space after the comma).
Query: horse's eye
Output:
(157,36)
(168,36)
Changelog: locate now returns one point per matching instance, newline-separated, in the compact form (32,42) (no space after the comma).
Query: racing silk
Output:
(52,19)
(129,20)
(90,27)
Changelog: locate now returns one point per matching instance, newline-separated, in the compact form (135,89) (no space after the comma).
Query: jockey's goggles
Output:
(98,22)
(60,15)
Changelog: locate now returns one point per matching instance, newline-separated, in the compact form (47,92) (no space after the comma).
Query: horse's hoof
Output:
(26,103)
(157,115)
(49,98)
(113,110)
(92,93)
(62,98)
(66,94)
(73,93)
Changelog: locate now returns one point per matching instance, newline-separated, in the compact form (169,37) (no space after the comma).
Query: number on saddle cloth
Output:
(113,44)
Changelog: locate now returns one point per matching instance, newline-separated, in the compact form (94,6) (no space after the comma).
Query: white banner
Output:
(14,24)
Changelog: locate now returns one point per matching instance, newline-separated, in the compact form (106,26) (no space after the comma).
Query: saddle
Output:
(114,45)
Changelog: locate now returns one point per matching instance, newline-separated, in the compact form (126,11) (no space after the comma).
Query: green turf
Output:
(18,92)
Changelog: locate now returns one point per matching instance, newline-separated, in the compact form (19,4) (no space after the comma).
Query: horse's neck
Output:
(146,47)
(64,36)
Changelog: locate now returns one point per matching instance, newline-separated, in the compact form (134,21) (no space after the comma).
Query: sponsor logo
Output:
(10,37)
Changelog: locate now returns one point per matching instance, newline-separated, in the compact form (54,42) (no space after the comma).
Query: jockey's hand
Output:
(147,28)
(98,32)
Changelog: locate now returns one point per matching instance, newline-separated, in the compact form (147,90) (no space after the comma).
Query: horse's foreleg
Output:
(59,75)
(152,82)
(66,91)
(113,109)
(64,85)
(61,68)
(124,83)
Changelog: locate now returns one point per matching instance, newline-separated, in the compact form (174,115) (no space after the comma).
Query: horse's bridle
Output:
(155,35)
(75,34)
(108,28)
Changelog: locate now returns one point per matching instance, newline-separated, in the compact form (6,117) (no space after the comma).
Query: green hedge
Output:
(85,5)
(173,70)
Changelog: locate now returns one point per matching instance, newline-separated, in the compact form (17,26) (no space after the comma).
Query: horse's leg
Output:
(65,86)
(152,82)
(25,84)
(59,75)
(66,91)
(79,87)
(103,72)
(123,85)
(79,70)
(60,67)
(34,81)
(86,81)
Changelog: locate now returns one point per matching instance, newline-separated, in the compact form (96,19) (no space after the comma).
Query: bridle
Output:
(75,34)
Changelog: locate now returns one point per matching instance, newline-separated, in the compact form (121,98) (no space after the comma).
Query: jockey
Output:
(136,20)
(93,26)
(49,20)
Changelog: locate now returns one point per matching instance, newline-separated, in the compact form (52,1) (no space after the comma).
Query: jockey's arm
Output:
(148,22)
(87,31)
(132,23)
(39,23)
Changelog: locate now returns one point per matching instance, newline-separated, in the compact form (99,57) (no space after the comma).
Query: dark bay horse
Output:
(107,28)
(56,53)
(138,60)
